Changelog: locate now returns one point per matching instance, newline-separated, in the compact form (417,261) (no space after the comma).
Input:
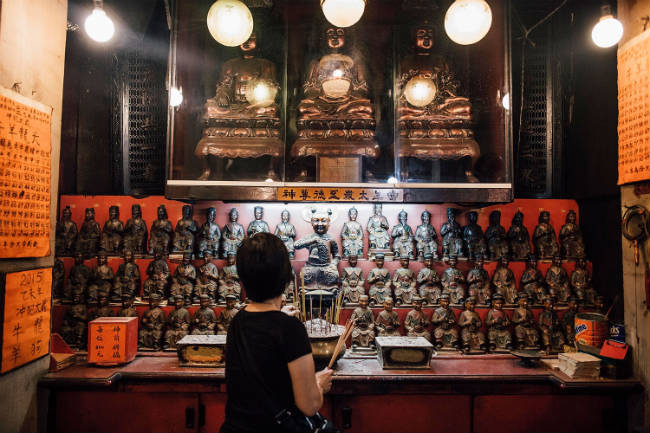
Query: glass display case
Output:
(388,103)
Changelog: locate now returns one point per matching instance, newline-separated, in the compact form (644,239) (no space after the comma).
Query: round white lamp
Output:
(468,21)
(230,22)
(343,13)
(420,91)
(98,25)
(608,31)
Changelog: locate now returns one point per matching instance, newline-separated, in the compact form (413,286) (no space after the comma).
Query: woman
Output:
(270,366)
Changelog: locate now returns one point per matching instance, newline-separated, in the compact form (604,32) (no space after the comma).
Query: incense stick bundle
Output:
(342,338)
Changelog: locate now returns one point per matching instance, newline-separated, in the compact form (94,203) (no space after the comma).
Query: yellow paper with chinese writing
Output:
(27,310)
(634,110)
(25,167)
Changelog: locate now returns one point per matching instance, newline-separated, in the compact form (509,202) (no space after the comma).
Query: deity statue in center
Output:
(518,238)
(127,278)
(532,282)
(209,235)
(227,314)
(387,321)
(204,321)
(544,238)
(581,283)
(112,233)
(102,279)
(428,280)
(158,272)
(258,225)
(404,283)
(573,246)
(229,283)
(184,279)
(550,327)
(504,282)
(444,320)
(479,285)
(185,233)
(352,282)
(473,236)
(453,282)
(496,237)
(363,334)
(66,234)
(426,238)
(79,279)
(557,281)
(161,232)
(416,321)
(378,238)
(403,237)
(232,234)
(352,236)
(498,323)
(287,233)
(152,325)
(452,239)
(526,333)
(435,121)
(379,281)
(135,232)
(470,323)
(336,118)
(178,323)
(320,272)
(242,120)
(89,235)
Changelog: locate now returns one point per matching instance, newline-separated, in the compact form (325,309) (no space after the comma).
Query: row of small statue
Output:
(186,282)
(548,332)
(404,285)
(155,331)
(188,237)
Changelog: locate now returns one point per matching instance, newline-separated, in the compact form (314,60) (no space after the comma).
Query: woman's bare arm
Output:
(308,386)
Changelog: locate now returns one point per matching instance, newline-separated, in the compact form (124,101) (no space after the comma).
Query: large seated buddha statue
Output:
(242,120)
(435,122)
(336,118)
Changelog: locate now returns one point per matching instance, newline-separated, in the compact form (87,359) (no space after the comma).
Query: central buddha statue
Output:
(242,120)
(435,122)
(336,118)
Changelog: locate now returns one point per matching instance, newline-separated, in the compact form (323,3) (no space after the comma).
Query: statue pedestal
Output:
(338,146)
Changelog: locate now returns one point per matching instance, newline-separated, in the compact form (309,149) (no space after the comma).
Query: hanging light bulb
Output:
(98,25)
(175,96)
(420,91)
(230,22)
(468,21)
(343,13)
(608,31)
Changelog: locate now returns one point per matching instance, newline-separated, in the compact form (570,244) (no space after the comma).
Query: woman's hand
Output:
(290,310)
(324,379)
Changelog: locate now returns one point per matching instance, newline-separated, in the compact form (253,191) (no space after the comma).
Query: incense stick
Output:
(344,336)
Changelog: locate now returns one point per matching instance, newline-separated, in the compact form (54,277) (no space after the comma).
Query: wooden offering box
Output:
(403,352)
(202,351)
(112,340)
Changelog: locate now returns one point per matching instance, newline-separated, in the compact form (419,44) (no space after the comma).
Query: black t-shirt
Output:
(274,339)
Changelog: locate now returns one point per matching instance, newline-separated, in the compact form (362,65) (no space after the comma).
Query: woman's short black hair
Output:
(263,266)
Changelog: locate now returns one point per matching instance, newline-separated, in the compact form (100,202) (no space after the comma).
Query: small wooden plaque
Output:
(342,169)
(112,340)
(202,351)
(403,352)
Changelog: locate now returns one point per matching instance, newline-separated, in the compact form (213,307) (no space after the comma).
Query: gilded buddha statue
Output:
(336,118)
(242,120)
(434,119)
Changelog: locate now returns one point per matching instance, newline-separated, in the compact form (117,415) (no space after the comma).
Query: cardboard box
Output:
(112,340)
